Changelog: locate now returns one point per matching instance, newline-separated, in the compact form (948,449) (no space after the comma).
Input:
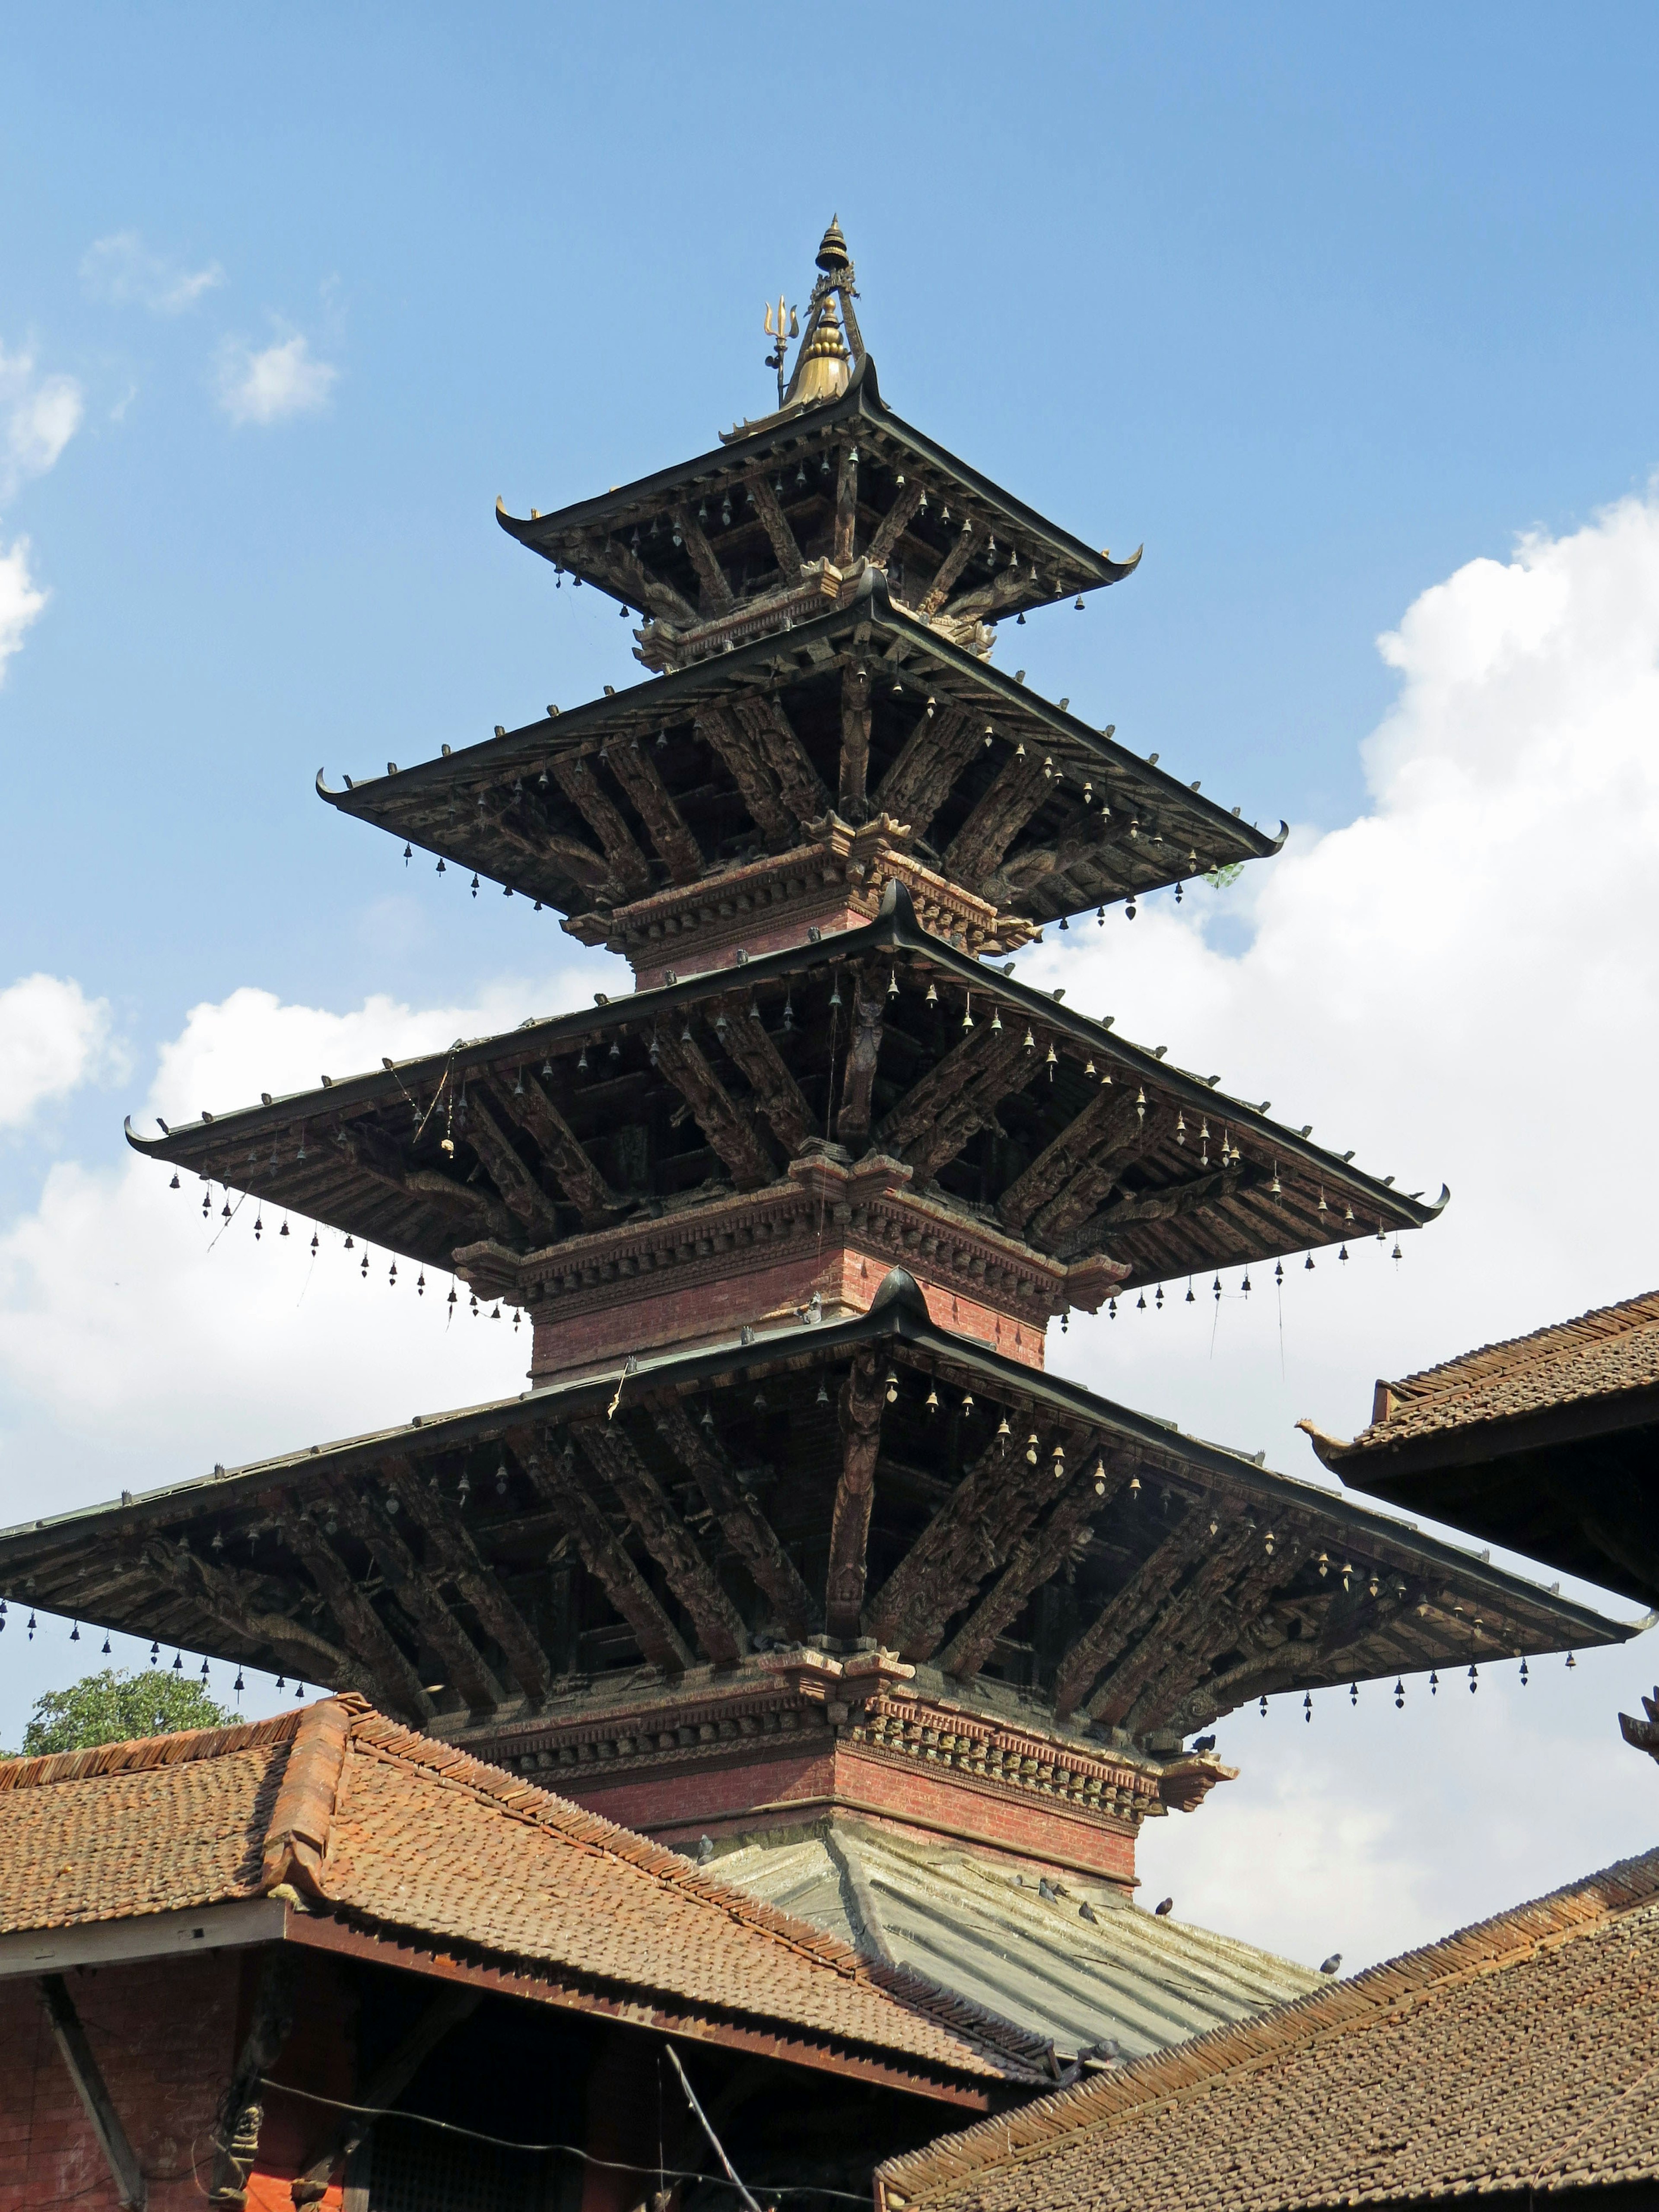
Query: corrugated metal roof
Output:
(988,1932)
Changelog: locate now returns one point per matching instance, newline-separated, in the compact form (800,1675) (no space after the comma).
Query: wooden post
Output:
(83,2071)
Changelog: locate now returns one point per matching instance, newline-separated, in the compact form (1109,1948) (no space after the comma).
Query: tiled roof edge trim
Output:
(296,1842)
(997,2037)
(1468,1368)
(142,1752)
(1164,2076)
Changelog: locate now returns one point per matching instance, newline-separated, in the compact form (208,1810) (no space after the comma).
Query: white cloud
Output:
(124,271)
(21,600)
(279,380)
(53,1039)
(39,415)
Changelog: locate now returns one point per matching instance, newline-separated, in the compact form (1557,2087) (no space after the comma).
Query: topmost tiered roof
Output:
(738,541)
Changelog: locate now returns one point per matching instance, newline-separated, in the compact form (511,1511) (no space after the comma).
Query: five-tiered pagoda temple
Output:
(791,1526)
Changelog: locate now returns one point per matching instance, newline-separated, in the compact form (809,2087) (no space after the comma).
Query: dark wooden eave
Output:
(665,783)
(1193,1580)
(1571,1484)
(566,536)
(1044,1153)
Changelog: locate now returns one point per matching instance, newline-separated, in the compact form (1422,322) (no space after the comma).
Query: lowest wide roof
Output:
(1514,2055)
(384,1832)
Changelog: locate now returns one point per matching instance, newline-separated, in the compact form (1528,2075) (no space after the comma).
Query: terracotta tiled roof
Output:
(1602,1354)
(387,1827)
(1521,2053)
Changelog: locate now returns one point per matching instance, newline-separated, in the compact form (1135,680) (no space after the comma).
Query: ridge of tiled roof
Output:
(1601,1353)
(139,1755)
(1398,1990)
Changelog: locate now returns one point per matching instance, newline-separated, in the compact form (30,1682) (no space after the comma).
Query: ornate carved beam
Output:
(719,732)
(802,787)
(236,1602)
(567,1159)
(1108,1116)
(615,564)
(628,864)
(990,597)
(777,1094)
(855,739)
(379,1157)
(847,506)
(893,525)
(730,1134)
(862,1396)
(959,1094)
(1268,1667)
(863,1052)
(554,1478)
(397,1684)
(451,1550)
(746,1528)
(1014,796)
(1214,1628)
(1037,1555)
(671,1544)
(521,1193)
(1063,1222)
(1178,1624)
(634,770)
(538,841)
(717,596)
(931,759)
(948,570)
(785,550)
(1126,1612)
(413,1586)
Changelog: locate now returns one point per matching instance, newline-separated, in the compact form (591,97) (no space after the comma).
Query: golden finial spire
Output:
(821,371)
(832,254)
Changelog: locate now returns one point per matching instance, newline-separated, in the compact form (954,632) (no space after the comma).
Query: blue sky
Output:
(1331,312)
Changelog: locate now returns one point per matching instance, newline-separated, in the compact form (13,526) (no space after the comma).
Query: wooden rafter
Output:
(1128,1609)
(777,1094)
(626,862)
(555,1480)
(1065,1220)
(1220,1626)
(451,1550)
(720,729)
(746,1528)
(1100,1126)
(1015,793)
(970,1537)
(1038,1555)
(542,844)
(801,786)
(567,1159)
(929,762)
(990,597)
(631,764)
(862,1396)
(379,1157)
(959,1095)
(666,1536)
(521,1193)
(718,597)
(948,570)
(893,524)
(1178,1623)
(236,1602)
(776,523)
(611,562)
(854,738)
(731,1134)
(397,1683)
(416,1592)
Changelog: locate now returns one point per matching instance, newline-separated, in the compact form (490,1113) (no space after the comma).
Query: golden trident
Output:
(775,332)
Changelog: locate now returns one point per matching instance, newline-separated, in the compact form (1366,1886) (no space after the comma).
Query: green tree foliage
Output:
(113,1704)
